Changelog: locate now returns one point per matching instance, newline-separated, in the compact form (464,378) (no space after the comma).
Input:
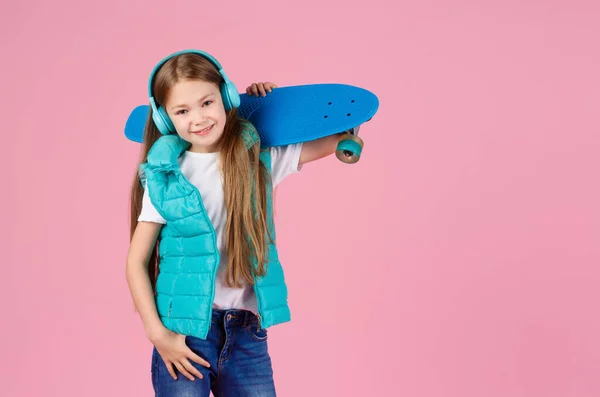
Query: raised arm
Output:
(311,150)
(319,148)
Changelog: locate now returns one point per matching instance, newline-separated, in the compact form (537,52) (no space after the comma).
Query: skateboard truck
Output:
(350,146)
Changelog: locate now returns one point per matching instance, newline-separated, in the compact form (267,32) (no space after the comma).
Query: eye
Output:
(207,102)
(179,111)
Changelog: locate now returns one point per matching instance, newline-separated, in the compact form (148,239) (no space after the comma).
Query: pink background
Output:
(459,257)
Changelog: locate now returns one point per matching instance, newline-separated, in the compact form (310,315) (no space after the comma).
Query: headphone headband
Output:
(206,55)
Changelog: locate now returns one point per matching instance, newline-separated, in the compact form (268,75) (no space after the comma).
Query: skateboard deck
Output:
(295,114)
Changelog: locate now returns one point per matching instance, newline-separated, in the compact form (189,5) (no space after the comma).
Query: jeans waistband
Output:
(238,317)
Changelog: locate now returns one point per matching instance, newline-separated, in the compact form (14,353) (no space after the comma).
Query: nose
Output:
(199,117)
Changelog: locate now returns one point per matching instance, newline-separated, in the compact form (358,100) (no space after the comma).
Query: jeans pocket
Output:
(256,334)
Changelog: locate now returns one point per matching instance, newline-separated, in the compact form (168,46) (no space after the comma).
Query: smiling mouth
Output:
(204,131)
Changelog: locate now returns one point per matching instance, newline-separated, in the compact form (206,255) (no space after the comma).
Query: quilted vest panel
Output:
(188,253)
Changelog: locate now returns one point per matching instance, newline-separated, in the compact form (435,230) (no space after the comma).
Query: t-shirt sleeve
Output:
(285,161)
(149,212)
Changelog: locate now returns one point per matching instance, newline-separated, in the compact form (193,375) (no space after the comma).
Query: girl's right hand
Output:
(174,351)
(260,88)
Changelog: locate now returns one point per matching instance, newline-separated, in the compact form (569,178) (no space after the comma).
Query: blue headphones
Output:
(230,94)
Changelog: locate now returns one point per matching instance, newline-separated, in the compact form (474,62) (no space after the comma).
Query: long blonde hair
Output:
(246,230)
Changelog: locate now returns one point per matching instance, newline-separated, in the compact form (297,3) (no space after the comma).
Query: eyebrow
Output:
(201,99)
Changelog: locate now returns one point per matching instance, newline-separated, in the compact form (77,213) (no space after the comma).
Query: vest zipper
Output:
(215,246)
(258,315)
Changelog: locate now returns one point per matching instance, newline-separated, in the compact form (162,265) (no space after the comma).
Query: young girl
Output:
(202,213)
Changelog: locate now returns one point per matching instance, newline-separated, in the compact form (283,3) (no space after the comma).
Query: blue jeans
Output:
(237,351)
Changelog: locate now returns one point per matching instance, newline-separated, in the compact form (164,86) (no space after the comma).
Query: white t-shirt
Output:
(202,170)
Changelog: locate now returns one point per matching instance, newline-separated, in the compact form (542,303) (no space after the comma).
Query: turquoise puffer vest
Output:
(189,257)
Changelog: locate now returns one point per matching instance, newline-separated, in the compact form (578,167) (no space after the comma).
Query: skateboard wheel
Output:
(349,149)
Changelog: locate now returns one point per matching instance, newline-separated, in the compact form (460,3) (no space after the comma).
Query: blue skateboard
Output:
(296,114)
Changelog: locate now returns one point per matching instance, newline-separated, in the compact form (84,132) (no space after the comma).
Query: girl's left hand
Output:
(261,88)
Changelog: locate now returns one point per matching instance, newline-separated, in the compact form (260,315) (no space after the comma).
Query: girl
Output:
(201,212)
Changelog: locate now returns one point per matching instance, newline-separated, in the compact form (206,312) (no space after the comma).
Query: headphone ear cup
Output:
(159,123)
(162,121)
(230,94)
(225,97)
(234,95)
(166,119)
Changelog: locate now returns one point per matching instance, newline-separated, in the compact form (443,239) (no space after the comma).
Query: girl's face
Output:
(196,109)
